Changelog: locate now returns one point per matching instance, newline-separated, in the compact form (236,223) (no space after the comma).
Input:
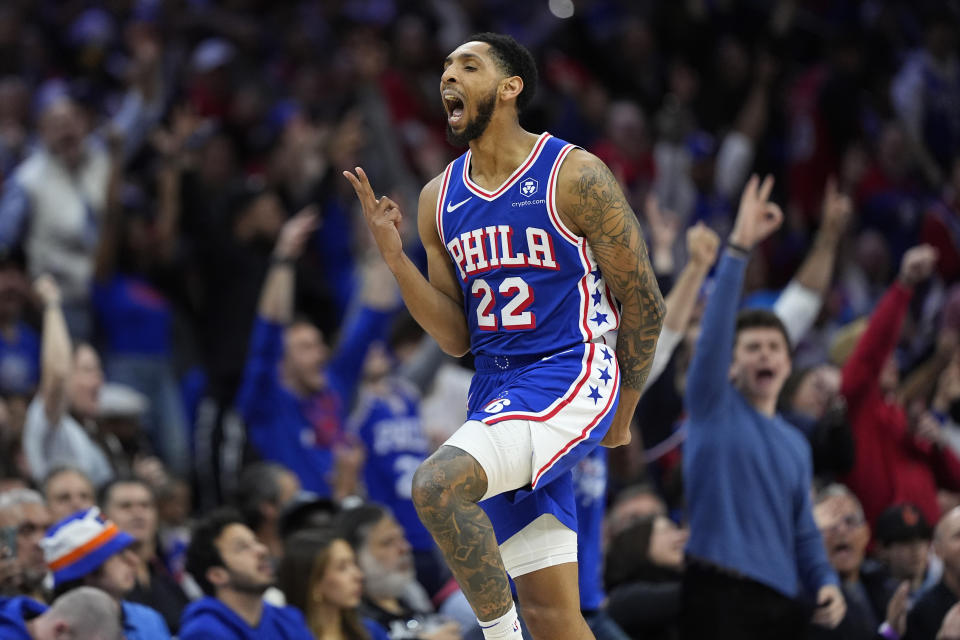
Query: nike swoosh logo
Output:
(453,207)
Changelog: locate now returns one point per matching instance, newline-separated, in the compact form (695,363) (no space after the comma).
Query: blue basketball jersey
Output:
(391,430)
(530,286)
(590,486)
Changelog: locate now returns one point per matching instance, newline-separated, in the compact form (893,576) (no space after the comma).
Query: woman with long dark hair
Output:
(320,576)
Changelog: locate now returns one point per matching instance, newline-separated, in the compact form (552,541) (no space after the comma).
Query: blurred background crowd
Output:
(191,316)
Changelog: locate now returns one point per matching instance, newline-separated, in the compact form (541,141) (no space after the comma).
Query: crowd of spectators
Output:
(212,402)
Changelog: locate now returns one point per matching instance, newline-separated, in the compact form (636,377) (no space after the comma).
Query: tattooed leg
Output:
(446,489)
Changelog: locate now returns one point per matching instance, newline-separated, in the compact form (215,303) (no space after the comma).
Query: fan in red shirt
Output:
(894,463)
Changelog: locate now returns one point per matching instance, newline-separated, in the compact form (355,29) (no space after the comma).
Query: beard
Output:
(245,584)
(477,126)
(379,582)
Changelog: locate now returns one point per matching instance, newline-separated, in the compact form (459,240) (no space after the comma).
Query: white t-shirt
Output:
(47,446)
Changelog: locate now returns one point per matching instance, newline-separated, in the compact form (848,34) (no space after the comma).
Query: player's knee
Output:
(551,621)
(428,490)
(447,477)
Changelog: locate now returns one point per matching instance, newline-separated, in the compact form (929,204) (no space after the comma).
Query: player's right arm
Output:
(435,303)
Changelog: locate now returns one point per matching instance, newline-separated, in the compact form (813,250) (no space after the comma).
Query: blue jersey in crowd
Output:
(210,619)
(19,360)
(530,286)
(590,486)
(300,433)
(391,430)
(14,613)
(135,317)
(140,622)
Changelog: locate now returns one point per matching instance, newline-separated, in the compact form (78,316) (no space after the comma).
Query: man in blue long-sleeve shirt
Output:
(754,547)
(296,395)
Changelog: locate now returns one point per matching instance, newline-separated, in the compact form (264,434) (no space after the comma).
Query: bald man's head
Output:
(946,542)
(84,612)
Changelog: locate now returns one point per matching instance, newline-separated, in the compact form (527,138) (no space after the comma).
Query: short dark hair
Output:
(259,484)
(106,490)
(202,553)
(59,470)
(760,319)
(514,59)
(354,524)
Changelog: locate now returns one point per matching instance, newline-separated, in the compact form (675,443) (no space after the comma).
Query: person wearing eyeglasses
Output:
(866,587)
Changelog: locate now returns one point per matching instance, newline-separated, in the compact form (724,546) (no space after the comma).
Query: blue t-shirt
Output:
(747,476)
(20,360)
(14,613)
(210,619)
(134,316)
(590,486)
(140,622)
(392,433)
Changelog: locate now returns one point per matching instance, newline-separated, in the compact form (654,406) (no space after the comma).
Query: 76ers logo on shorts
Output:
(497,405)
(528,187)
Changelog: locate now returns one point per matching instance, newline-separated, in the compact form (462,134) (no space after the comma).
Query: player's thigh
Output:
(550,603)
(504,451)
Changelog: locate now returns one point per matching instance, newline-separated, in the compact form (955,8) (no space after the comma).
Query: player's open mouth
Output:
(453,103)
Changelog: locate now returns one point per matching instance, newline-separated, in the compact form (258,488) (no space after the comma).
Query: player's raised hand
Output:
(382,215)
(757,217)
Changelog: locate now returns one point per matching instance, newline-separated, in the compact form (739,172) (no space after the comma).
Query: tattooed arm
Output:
(592,205)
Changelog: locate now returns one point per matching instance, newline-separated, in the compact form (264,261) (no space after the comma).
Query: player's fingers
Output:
(393,215)
(355,183)
(386,203)
(765,188)
(363,189)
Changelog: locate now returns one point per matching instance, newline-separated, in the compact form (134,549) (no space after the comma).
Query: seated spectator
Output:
(391,594)
(319,575)
(25,516)
(86,613)
(234,571)
(630,506)
(387,420)
(60,426)
(929,610)
(865,585)
(642,573)
(893,462)
(86,550)
(307,512)
(266,488)
(811,401)
(67,490)
(903,538)
(174,509)
(131,505)
(295,393)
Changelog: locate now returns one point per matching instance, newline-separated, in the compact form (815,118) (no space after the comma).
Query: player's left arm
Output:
(592,205)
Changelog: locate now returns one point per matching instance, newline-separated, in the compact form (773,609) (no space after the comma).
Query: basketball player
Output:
(528,240)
